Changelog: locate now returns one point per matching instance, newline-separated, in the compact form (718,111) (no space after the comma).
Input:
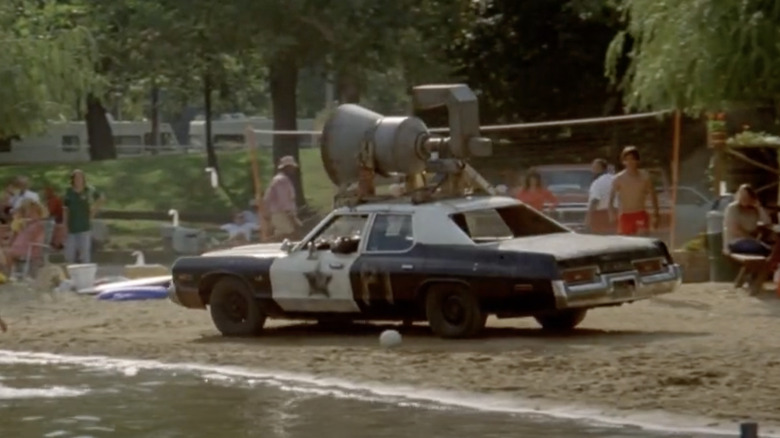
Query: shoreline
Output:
(651,421)
(703,353)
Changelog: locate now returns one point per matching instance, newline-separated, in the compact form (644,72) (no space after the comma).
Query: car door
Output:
(388,270)
(314,278)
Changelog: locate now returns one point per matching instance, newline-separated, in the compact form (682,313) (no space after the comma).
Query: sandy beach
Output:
(706,351)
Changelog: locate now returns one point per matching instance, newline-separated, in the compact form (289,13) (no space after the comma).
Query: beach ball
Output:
(389,338)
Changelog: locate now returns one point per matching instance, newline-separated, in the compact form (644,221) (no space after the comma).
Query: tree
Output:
(537,60)
(44,69)
(697,55)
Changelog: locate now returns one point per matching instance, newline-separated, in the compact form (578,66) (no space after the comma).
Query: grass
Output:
(159,183)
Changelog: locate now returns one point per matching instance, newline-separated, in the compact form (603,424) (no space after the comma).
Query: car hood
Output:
(256,250)
(567,246)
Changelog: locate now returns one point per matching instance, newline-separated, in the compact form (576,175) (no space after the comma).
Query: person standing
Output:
(535,194)
(597,218)
(279,200)
(80,204)
(632,186)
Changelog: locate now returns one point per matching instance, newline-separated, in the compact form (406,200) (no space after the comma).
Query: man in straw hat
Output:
(279,200)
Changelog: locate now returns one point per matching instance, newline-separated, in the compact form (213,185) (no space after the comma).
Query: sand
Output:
(707,351)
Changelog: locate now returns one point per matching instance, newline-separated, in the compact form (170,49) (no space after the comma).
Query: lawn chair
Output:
(30,263)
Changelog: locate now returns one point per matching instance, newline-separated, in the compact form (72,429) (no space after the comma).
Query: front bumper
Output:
(185,297)
(172,295)
(617,288)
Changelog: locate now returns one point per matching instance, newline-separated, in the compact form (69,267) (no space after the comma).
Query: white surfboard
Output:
(150,281)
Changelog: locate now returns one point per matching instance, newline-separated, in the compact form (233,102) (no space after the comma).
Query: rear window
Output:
(495,224)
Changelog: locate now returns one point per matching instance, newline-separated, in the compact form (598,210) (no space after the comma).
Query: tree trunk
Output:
(283,81)
(348,87)
(155,116)
(211,153)
(100,136)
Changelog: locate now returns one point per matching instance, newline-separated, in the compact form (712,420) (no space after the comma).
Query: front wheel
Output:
(562,320)
(453,311)
(234,310)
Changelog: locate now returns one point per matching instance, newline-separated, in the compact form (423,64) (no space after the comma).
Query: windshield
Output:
(560,180)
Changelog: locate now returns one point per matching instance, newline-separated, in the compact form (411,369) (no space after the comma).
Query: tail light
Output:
(649,266)
(580,275)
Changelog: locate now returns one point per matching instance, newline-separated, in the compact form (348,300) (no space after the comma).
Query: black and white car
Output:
(449,262)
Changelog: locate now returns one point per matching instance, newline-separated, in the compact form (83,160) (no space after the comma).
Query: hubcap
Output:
(236,307)
(453,310)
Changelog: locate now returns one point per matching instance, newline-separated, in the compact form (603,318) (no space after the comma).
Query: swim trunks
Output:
(633,223)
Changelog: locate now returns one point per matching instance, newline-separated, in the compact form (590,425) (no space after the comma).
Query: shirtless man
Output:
(631,187)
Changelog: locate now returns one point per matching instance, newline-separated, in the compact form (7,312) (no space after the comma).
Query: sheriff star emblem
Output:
(318,282)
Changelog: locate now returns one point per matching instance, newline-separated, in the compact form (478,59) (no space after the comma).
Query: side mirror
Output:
(286,246)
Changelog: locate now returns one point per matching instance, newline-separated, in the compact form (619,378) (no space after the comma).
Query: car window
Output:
(562,180)
(350,225)
(391,232)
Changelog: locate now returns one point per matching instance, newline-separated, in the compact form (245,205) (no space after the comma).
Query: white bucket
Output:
(82,276)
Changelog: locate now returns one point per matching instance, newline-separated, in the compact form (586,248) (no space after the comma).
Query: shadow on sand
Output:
(419,335)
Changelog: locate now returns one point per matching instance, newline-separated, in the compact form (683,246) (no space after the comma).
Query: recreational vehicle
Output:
(228,131)
(67,142)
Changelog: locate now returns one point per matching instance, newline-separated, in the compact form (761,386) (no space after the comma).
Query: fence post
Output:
(748,430)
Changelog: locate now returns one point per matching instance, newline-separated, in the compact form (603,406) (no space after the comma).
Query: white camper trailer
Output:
(67,142)
(228,131)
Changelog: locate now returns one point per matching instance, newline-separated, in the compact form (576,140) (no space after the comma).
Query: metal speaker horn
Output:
(354,136)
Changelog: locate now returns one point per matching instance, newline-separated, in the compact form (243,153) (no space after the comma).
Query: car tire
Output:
(234,310)
(562,320)
(453,311)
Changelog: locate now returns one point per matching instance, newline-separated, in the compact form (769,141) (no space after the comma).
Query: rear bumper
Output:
(617,288)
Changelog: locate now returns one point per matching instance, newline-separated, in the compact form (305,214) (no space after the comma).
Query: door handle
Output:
(407,267)
(336,265)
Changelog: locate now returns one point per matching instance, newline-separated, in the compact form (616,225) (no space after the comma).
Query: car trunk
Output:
(610,253)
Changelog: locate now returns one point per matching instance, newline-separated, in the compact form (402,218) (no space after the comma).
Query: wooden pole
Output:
(675,177)
(251,141)
(748,430)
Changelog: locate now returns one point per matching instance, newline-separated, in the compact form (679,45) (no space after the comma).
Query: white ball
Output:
(389,338)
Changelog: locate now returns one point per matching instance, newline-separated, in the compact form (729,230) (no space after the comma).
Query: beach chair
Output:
(30,263)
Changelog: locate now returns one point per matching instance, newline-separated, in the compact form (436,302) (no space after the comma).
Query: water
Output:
(48,396)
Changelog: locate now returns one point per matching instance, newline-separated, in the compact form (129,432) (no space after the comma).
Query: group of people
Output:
(616,203)
(65,220)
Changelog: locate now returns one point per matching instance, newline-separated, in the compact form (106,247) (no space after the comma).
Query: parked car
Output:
(448,262)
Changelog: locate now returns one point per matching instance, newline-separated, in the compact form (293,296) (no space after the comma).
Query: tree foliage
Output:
(537,60)
(45,69)
(697,54)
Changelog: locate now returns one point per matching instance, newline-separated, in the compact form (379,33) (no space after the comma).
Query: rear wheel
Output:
(562,320)
(234,310)
(453,311)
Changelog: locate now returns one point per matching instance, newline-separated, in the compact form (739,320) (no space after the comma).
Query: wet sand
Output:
(705,351)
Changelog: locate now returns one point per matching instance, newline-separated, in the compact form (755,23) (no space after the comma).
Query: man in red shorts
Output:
(632,186)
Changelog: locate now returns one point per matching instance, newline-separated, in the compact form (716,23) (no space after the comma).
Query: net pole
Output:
(675,177)
(261,216)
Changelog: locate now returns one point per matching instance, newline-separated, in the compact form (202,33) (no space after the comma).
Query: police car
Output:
(450,262)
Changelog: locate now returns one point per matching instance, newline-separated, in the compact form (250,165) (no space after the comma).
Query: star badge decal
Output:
(318,282)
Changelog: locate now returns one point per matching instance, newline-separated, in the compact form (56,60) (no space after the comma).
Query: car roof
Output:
(450,205)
